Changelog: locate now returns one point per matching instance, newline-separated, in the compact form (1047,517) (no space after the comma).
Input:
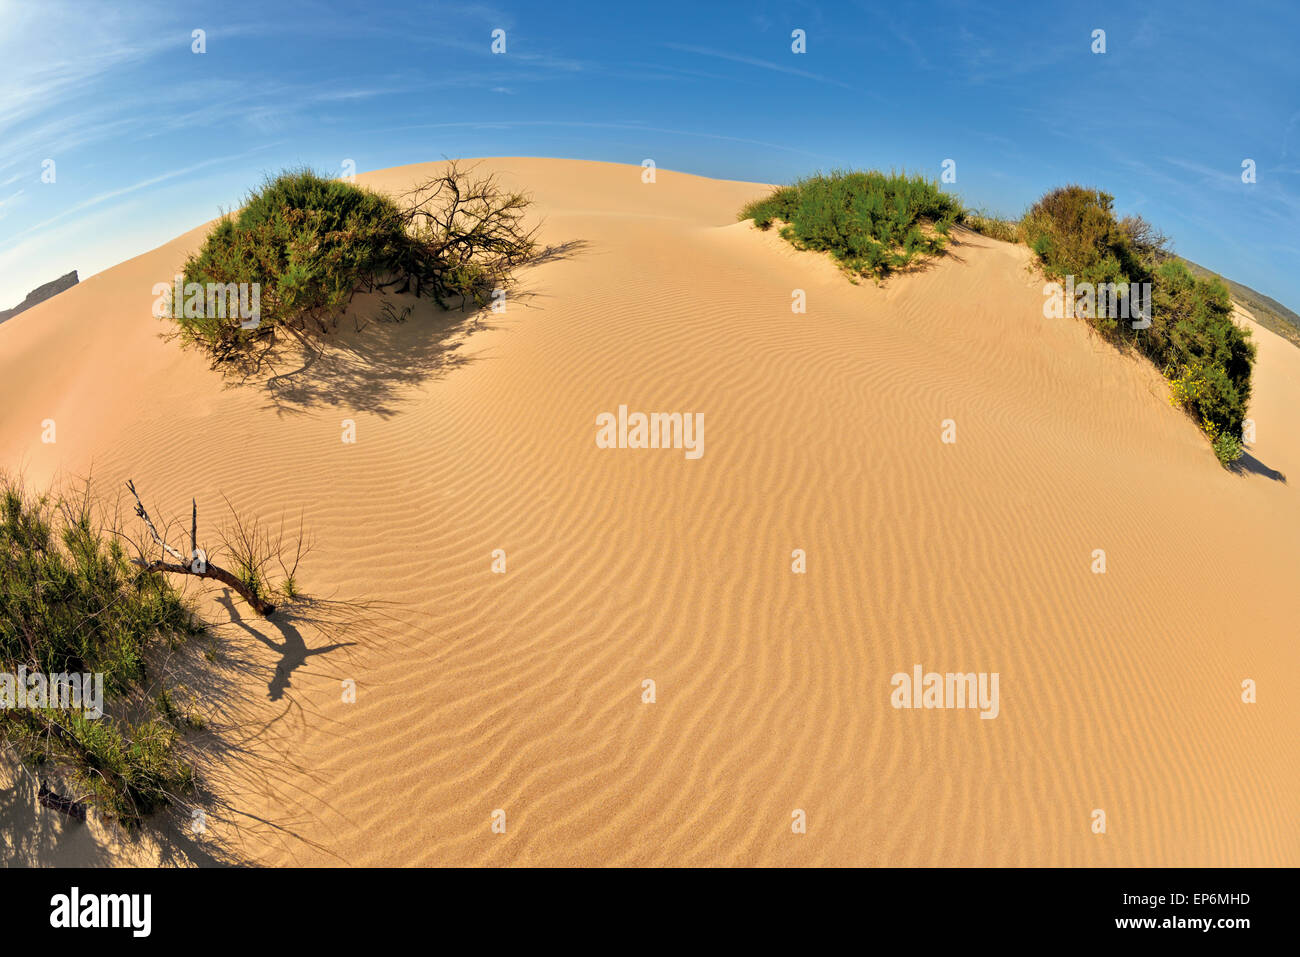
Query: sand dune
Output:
(523,691)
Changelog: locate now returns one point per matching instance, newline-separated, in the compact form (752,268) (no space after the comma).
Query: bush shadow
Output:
(1249,465)
(381,347)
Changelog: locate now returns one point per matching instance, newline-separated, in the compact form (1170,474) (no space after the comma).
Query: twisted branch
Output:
(190,566)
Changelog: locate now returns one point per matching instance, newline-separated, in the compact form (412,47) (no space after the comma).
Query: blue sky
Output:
(150,139)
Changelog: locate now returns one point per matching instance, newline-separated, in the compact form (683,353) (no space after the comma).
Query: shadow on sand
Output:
(244,750)
(383,346)
(293,650)
(1249,465)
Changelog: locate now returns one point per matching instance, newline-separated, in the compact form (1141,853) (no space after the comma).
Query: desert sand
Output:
(523,691)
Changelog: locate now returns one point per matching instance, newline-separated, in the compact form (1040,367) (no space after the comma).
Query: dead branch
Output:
(148,523)
(199,568)
(217,573)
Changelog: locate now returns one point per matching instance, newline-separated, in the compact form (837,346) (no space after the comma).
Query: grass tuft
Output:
(1006,230)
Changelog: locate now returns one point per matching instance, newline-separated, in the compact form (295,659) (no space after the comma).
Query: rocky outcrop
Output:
(40,294)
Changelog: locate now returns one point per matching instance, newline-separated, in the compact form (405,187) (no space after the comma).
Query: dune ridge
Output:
(522,692)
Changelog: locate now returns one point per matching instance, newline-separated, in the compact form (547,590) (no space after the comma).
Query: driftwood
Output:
(45,795)
(192,565)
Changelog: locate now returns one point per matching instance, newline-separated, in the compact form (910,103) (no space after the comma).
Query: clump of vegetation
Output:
(1074,231)
(1268,312)
(309,244)
(873,224)
(71,602)
(1208,358)
(870,222)
(1007,230)
(1205,356)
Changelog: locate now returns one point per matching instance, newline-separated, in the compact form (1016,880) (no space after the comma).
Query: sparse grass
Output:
(1006,230)
(72,602)
(176,707)
(871,223)
(255,549)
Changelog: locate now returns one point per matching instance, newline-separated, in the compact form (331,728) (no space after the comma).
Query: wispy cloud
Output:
(761,64)
(6,204)
(134,187)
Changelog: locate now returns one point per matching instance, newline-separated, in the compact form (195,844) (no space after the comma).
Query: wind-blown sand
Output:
(523,691)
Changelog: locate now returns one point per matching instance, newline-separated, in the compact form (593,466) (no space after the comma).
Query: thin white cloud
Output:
(134,187)
(762,64)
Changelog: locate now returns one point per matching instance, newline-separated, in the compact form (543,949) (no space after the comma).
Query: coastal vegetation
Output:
(1189,334)
(79,625)
(307,244)
(873,224)
(91,625)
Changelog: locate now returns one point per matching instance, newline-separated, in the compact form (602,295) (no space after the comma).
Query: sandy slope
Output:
(522,691)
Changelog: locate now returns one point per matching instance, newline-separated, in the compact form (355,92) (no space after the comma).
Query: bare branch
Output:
(216,573)
(245,549)
(139,510)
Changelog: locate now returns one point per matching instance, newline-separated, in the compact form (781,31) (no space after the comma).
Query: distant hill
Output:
(1270,313)
(40,294)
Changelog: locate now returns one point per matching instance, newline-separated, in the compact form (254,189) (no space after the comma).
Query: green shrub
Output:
(871,223)
(308,244)
(69,597)
(1006,230)
(1228,448)
(1073,231)
(71,602)
(1204,354)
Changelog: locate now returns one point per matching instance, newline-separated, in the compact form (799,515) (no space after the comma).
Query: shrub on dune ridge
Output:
(1208,357)
(1191,337)
(1074,231)
(309,244)
(872,223)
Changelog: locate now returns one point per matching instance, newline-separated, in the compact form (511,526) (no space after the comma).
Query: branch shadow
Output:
(244,761)
(242,747)
(293,650)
